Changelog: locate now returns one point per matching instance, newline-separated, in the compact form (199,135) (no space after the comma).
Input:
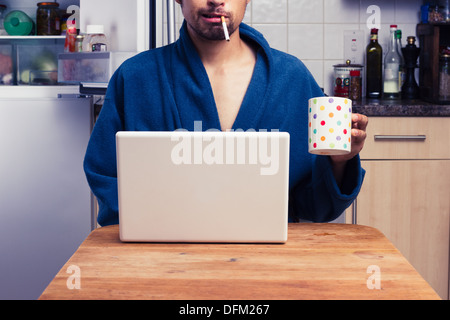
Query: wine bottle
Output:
(374,54)
(391,85)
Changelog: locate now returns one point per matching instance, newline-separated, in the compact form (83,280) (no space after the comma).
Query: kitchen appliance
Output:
(46,206)
(434,40)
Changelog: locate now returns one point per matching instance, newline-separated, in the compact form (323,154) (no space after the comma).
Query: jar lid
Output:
(95,29)
(348,64)
(54,4)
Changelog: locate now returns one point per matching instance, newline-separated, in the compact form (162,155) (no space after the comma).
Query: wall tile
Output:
(387,11)
(305,11)
(306,40)
(275,34)
(407,11)
(269,11)
(341,11)
(316,69)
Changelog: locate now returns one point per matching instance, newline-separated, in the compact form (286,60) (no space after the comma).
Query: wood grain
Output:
(319,261)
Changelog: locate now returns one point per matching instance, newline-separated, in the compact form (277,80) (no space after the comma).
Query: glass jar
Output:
(444,77)
(2,28)
(47,19)
(342,78)
(444,7)
(355,92)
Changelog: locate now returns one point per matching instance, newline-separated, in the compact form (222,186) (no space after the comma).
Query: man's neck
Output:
(219,53)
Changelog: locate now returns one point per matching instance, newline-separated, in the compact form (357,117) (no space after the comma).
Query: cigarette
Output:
(225,29)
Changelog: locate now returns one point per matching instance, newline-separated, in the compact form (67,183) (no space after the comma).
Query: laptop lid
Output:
(213,186)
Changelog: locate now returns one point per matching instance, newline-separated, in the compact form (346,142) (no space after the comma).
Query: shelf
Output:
(32,37)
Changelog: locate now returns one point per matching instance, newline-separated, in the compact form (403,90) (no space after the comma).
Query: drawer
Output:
(407,138)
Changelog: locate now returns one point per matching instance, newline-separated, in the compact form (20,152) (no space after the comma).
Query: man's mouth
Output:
(212,17)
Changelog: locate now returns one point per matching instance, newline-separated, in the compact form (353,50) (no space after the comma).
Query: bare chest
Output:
(229,90)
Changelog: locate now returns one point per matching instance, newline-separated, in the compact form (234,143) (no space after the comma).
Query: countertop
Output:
(400,108)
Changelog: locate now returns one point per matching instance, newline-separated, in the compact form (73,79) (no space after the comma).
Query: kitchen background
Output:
(313,31)
(45,213)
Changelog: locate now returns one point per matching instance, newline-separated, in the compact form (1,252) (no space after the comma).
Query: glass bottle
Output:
(2,28)
(444,77)
(47,19)
(402,71)
(374,54)
(392,62)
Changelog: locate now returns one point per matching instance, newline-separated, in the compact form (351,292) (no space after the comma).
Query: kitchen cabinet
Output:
(406,192)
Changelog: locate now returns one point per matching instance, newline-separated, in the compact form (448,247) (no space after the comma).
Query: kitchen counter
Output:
(400,108)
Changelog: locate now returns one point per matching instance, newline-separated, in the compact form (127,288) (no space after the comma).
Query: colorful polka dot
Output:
(330,124)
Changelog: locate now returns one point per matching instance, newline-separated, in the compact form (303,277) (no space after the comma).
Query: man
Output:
(236,84)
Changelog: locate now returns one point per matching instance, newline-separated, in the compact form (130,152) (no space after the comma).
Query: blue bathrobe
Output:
(167,88)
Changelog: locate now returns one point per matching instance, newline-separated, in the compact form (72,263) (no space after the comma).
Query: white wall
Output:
(314,30)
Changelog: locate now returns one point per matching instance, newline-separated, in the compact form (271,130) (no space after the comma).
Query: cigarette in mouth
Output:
(225,29)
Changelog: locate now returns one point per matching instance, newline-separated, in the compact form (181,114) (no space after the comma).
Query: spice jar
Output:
(444,77)
(342,78)
(47,19)
(355,92)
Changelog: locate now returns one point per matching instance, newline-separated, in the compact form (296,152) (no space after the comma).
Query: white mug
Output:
(330,126)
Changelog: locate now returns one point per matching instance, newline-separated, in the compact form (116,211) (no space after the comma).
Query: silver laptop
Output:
(216,187)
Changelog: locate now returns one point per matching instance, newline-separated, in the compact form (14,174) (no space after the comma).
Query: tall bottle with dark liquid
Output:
(374,71)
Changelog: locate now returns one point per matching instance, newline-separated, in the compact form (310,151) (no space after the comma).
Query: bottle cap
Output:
(95,29)
(374,31)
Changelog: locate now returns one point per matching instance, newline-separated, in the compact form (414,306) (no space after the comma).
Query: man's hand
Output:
(359,125)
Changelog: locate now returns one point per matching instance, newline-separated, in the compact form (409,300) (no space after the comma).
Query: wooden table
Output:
(319,261)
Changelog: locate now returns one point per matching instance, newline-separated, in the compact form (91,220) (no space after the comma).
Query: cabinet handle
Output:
(400,138)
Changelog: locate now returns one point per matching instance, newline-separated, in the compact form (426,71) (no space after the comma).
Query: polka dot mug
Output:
(330,125)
